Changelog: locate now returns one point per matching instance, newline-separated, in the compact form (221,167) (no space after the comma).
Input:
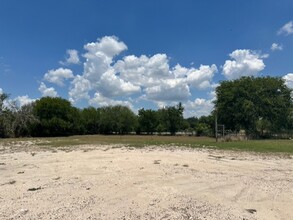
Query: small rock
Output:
(34,189)
(251,210)
(23,211)
(11,182)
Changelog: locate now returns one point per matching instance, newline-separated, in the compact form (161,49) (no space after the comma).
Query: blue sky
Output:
(140,53)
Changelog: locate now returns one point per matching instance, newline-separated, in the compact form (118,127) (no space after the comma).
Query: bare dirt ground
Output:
(117,182)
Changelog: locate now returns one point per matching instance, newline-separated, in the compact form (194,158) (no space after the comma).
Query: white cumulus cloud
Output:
(99,100)
(198,107)
(47,91)
(276,46)
(144,71)
(159,81)
(243,63)
(289,80)
(99,56)
(1,91)
(111,85)
(287,29)
(148,77)
(58,76)
(168,90)
(23,100)
(180,71)
(80,88)
(201,78)
(72,58)
(110,46)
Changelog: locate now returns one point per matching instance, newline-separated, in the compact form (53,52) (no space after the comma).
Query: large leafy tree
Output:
(91,120)
(171,118)
(56,117)
(251,103)
(148,120)
(204,126)
(117,119)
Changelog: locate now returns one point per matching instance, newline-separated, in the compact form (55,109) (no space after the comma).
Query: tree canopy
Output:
(148,120)
(254,104)
(56,117)
(117,119)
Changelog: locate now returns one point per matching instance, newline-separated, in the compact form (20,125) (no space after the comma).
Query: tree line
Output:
(51,117)
(259,106)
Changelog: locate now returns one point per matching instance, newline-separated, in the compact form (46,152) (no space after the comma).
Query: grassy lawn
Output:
(266,146)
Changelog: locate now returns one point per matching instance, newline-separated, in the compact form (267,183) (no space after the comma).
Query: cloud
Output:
(180,71)
(72,58)
(212,94)
(198,107)
(80,88)
(243,63)
(159,81)
(289,80)
(109,46)
(276,46)
(99,56)
(58,76)
(287,29)
(1,91)
(23,100)
(97,67)
(113,80)
(150,76)
(168,90)
(202,77)
(112,86)
(144,71)
(47,91)
(99,100)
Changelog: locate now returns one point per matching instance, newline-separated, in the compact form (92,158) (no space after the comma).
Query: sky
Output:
(140,53)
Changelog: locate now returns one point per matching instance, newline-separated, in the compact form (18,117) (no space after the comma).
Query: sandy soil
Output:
(117,182)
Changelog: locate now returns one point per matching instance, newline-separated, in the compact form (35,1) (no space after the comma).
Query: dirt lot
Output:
(117,182)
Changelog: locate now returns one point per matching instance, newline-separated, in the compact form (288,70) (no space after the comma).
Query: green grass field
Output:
(265,146)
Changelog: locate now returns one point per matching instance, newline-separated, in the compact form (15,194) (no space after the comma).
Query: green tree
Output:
(171,118)
(241,103)
(56,117)
(117,119)
(202,129)
(192,121)
(203,125)
(91,120)
(148,120)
